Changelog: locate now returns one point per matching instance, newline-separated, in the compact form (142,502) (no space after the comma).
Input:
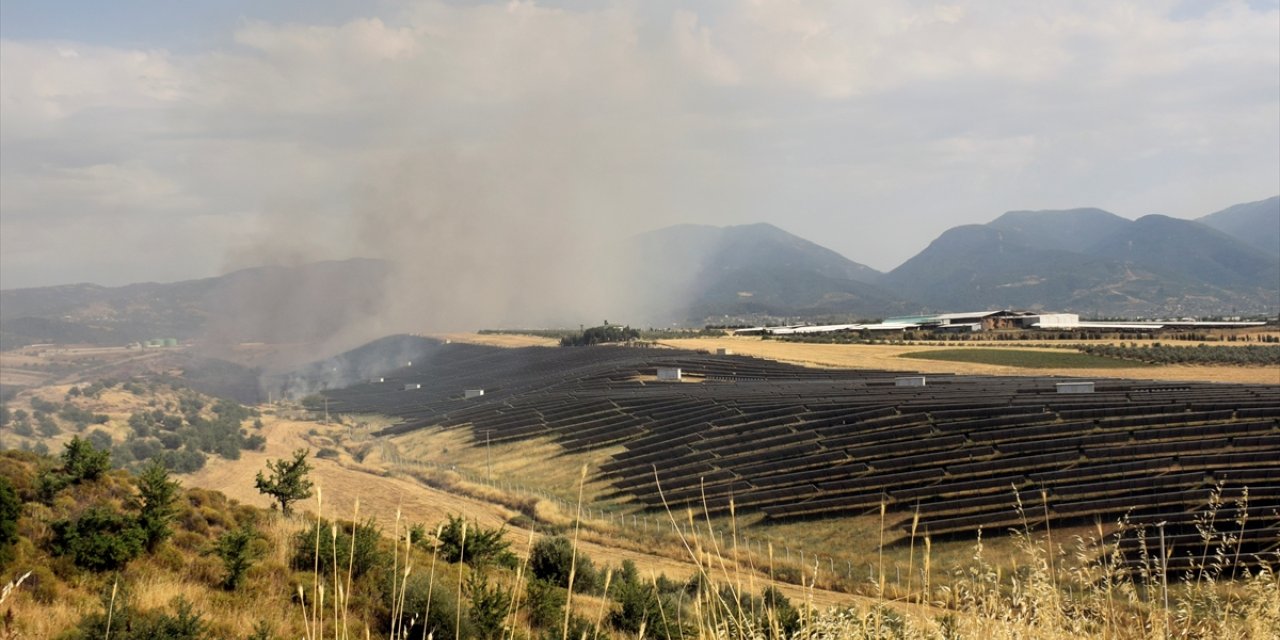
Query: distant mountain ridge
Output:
(699,273)
(1255,223)
(1094,262)
(1087,261)
(260,304)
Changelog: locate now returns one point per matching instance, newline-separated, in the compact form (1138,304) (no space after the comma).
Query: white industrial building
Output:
(974,321)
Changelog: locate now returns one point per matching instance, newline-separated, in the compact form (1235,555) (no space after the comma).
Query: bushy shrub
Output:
(237,551)
(489,605)
(10,508)
(439,619)
(482,546)
(101,539)
(155,503)
(551,560)
(81,461)
(128,623)
(366,557)
(544,604)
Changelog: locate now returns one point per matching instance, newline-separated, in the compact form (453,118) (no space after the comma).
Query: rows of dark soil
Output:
(963,452)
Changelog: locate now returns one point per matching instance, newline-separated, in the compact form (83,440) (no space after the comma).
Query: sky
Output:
(161,141)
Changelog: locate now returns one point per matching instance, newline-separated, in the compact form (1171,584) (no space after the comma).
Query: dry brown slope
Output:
(342,483)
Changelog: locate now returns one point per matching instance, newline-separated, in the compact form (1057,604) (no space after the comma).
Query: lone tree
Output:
(81,461)
(155,502)
(288,481)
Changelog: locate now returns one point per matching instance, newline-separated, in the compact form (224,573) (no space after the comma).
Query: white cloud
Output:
(830,118)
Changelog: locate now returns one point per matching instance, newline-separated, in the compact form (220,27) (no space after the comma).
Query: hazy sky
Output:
(163,140)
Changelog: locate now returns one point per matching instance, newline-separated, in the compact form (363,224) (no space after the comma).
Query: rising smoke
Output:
(499,187)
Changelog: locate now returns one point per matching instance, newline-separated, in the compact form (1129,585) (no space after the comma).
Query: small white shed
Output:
(472,393)
(412,386)
(909,381)
(669,373)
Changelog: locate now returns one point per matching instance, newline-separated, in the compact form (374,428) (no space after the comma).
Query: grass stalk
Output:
(351,559)
(573,557)
(431,581)
(395,570)
(111,608)
(315,568)
(911,553)
(462,554)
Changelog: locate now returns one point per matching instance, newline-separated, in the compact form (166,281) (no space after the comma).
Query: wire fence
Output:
(612,515)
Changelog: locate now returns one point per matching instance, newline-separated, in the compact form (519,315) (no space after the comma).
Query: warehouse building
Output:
(994,320)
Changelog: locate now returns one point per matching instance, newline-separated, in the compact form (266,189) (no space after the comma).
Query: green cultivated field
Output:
(1026,359)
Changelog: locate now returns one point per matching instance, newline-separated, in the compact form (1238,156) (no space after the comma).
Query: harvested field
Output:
(886,357)
(511,340)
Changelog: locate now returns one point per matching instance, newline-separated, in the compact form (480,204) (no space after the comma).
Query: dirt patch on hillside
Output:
(499,340)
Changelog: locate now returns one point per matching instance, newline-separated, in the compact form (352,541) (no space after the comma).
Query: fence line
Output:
(617,518)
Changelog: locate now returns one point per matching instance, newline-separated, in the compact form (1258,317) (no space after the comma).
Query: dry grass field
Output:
(499,339)
(382,493)
(887,357)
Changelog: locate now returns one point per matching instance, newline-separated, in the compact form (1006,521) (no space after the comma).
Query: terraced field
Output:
(797,443)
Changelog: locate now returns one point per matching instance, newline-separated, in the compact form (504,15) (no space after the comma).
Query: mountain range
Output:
(1088,261)
(302,303)
(1094,262)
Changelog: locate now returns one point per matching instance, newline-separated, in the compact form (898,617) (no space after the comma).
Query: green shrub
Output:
(236,550)
(155,503)
(10,508)
(489,606)
(366,557)
(127,623)
(101,539)
(482,546)
(440,620)
(551,560)
(544,604)
(82,461)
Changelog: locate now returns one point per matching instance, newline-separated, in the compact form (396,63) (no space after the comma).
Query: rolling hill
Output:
(703,273)
(308,302)
(1254,223)
(1094,262)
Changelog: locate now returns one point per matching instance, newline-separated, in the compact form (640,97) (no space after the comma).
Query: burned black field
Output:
(800,443)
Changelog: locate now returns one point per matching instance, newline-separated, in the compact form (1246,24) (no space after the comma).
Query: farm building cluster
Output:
(976,321)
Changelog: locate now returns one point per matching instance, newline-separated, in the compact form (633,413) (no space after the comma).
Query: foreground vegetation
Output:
(1025,359)
(95,553)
